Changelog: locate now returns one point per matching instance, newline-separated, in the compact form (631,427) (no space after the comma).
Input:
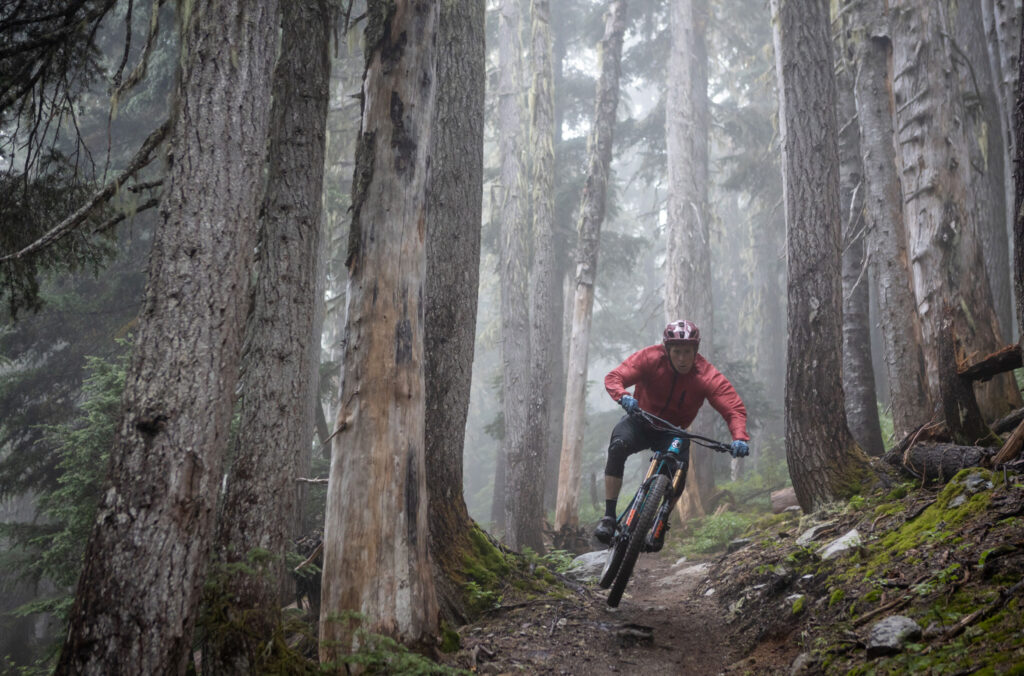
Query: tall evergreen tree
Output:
(136,600)
(275,427)
(825,462)
(883,213)
(591,216)
(454,213)
(942,231)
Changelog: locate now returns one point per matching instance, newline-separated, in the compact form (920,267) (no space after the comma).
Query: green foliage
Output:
(377,654)
(715,532)
(57,546)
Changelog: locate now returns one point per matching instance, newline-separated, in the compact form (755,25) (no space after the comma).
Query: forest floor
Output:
(663,625)
(950,558)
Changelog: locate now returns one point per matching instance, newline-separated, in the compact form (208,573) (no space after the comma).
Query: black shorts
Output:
(632,435)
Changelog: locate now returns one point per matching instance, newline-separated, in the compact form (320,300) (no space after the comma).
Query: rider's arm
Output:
(625,375)
(723,398)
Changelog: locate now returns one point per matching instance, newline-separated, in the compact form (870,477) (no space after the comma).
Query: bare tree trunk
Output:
(546,286)
(592,208)
(135,606)
(454,209)
(947,262)
(824,460)
(276,420)
(1018,182)
(883,210)
(375,532)
(523,496)
(1002,38)
(858,373)
(983,125)
(688,231)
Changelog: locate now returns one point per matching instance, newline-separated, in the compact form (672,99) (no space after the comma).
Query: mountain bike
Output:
(641,526)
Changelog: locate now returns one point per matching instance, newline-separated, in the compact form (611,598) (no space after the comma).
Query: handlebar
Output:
(665,426)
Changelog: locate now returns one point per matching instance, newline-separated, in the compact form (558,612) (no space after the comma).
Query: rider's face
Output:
(682,357)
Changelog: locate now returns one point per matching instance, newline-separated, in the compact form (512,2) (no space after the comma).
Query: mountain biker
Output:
(671,380)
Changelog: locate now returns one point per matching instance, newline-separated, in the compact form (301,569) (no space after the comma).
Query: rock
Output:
(680,561)
(957,501)
(795,509)
(840,545)
(783,499)
(812,533)
(933,630)
(976,483)
(887,636)
(680,574)
(710,591)
(804,665)
(737,544)
(586,566)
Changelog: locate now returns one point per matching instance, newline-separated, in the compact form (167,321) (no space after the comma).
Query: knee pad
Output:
(618,451)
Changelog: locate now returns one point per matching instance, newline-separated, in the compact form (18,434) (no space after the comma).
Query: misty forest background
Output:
(890,248)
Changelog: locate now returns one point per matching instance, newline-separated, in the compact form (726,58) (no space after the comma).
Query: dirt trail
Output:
(662,626)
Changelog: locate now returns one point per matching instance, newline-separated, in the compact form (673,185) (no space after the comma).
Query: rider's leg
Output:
(622,445)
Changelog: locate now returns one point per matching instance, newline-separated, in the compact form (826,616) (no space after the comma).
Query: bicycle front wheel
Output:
(648,513)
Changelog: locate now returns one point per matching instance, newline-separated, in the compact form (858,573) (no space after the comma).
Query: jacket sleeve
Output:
(624,375)
(723,398)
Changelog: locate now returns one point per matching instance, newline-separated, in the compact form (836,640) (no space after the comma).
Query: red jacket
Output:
(674,396)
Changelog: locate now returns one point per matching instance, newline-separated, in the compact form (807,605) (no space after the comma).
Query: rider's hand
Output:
(629,403)
(739,449)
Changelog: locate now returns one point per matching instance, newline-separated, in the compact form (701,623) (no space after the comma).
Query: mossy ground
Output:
(936,556)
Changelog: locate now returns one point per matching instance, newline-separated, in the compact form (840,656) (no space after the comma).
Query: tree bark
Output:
(454,209)
(824,460)
(276,420)
(942,233)
(687,230)
(983,125)
(885,231)
(546,284)
(592,208)
(523,496)
(858,371)
(135,606)
(1018,193)
(375,532)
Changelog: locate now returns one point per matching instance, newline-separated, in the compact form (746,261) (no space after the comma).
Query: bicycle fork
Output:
(656,537)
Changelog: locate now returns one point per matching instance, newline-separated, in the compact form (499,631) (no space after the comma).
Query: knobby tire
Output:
(611,566)
(636,538)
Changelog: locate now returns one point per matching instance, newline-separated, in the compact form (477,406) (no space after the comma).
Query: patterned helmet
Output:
(681,332)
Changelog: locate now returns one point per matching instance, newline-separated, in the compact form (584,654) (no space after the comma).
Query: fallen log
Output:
(1000,361)
(1008,422)
(938,462)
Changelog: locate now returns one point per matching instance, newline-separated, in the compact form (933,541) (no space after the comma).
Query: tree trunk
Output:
(1018,193)
(135,607)
(824,460)
(276,420)
(947,263)
(375,532)
(523,496)
(454,211)
(592,207)
(885,231)
(983,124)
(688,231)
(936,461)
(858,371)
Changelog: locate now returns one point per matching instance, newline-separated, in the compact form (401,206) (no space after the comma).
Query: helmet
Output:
(681,332)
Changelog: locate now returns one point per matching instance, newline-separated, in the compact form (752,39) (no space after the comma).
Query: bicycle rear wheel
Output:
(636,539)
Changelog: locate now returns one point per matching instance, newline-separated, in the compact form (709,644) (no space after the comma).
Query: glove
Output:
(629,403)
(739,449)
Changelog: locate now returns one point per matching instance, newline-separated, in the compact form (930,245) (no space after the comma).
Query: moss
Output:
(450,639)
(835,597)
(798,604)
(485,564)
(934,523)
(890,508)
